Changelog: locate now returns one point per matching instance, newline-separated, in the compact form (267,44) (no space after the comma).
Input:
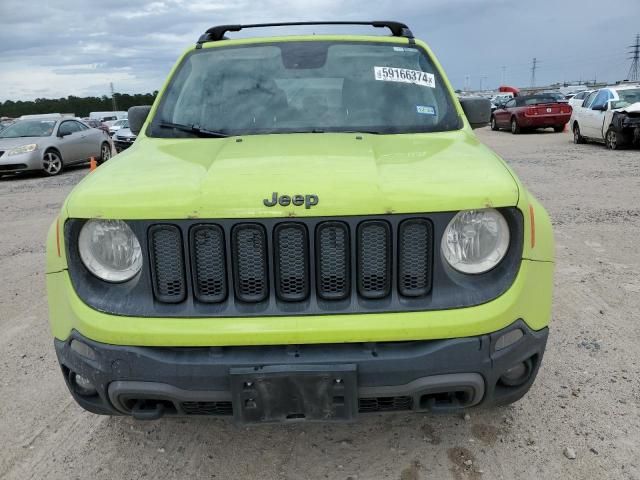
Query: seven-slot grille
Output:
(333,261)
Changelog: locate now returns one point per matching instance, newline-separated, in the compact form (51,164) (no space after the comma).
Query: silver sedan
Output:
(50,144)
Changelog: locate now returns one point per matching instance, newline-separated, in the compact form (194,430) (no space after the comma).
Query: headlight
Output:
(110,250)
(23,149)
(475,241)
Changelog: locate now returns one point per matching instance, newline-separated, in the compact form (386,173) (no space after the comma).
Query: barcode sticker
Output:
(404,75)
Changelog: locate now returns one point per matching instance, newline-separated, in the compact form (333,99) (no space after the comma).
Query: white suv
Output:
(610,115)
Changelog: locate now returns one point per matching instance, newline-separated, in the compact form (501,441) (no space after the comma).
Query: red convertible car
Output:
(531,112)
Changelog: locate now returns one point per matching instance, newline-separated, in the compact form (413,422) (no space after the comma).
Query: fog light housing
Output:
(82,385)
(518,374)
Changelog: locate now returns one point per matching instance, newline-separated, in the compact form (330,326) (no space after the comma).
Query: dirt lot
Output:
(586,398)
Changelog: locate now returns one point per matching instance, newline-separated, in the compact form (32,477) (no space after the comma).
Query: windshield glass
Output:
(627,97)
(306,87)
(29,128)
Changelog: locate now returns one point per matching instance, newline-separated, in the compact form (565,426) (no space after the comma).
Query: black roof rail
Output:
(217,33)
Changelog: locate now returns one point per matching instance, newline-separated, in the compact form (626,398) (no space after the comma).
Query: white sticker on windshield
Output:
(404,75)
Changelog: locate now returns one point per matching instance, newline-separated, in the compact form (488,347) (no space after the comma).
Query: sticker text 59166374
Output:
(404,75)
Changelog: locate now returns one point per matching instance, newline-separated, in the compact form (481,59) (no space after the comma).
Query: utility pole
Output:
(482,77)
(467,83)
(113,98)
(504,74)
(534,67)
(634,70)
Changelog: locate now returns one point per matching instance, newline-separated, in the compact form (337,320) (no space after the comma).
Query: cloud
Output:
(74,47)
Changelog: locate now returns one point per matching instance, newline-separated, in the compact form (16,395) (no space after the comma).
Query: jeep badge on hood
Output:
(285,200)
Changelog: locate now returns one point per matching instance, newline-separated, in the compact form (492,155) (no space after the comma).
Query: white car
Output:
(610,115)
(578,98)
(117,125)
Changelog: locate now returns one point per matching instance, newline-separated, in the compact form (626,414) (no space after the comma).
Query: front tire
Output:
(52,163)
(494,124)
(612,140)
(577,137)
(105,152)
(515,128)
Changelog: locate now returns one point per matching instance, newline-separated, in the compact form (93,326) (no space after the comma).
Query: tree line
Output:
(80,106)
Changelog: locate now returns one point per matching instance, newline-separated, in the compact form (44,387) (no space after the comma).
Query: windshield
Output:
(627,97)
(305,87)
(29,128)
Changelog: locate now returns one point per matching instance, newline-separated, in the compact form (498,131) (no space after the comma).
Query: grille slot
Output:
(250,262)
(384,404)
(167,272)
(291,261)
(414,257)
(332,245)
(207,408)
(374,259)
(208,263)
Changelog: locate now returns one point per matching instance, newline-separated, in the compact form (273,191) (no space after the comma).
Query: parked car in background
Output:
(532,112)
(96,124)
(578,98)
(124,137)
(117,125)
(559,97)
(610,115)
(49,144)
(108,116)
(5,123)
(500,99)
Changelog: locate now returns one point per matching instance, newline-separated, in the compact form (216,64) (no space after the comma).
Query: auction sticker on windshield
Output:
(404,75)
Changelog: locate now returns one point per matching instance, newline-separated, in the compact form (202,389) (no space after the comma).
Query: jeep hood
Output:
(352,174)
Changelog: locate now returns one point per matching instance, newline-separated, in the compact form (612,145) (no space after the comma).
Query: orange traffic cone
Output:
(93,164)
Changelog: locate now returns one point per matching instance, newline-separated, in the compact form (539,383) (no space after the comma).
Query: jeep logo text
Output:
(285,200)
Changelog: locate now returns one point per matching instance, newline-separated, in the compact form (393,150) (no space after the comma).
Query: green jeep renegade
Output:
(306,228)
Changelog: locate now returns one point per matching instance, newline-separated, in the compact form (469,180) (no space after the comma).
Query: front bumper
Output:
(21,162)
(436,375)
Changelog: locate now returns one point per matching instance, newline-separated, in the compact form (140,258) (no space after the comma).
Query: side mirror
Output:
(600,108)
(63,134)
(137,117)
(477,110)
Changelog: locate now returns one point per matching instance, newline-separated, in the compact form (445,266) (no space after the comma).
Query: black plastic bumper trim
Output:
(467,369)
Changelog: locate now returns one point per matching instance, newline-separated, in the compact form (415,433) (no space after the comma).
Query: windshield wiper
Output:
(195,129)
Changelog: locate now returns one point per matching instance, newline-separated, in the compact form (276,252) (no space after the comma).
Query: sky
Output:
(57,48)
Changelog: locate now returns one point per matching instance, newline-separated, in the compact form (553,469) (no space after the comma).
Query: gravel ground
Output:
(585,403)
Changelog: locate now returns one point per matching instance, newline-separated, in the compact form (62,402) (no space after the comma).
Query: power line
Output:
(534,66)
(634,70)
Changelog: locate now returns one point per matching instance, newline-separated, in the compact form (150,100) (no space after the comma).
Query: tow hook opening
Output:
(444,401)
(149,409)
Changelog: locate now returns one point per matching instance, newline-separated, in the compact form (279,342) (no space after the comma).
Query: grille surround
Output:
(411,259)
(374,278)
(168,275)
(292,277)
(250,288)
(331,285)
(450,289)
(208,287)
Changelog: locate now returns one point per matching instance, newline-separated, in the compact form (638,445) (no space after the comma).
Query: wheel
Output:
(577,138)
(558,129)
(515,128)
(611,139)
(105,152)
(494,124)
(52,163)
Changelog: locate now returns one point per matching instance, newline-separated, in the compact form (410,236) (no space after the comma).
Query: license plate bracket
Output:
(283,393)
